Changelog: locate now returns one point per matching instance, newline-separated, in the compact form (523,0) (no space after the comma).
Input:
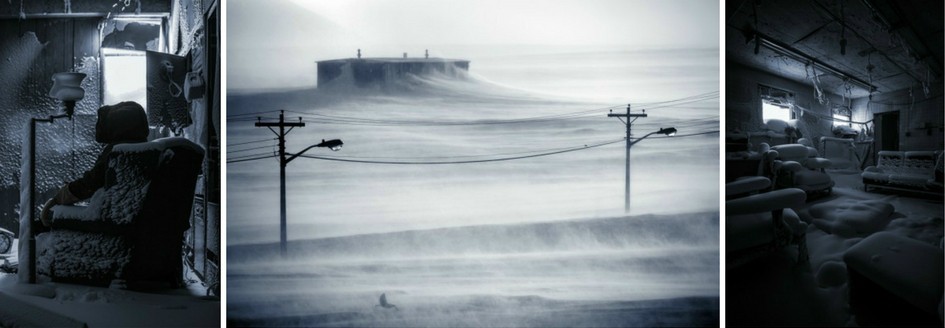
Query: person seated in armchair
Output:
(125,122)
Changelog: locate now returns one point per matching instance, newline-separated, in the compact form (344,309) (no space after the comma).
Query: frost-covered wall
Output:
(921,115)
(189,36)
(31,50)
(26,7)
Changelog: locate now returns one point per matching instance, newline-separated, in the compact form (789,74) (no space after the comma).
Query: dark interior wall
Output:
(920,122)
(14,8)
(743,102)
(33,50)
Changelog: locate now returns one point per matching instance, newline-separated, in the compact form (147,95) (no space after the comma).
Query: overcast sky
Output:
(259,32)
(643,22)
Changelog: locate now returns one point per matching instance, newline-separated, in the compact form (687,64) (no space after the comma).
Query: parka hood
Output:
(124,122)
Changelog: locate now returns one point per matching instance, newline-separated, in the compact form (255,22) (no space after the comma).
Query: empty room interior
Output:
(833,162)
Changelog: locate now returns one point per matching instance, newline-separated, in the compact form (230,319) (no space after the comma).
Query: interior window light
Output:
(124,64)
(770,111)
(841,120)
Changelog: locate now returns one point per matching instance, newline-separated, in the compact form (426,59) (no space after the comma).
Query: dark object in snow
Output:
(384,303)
(133,228)
(383,72)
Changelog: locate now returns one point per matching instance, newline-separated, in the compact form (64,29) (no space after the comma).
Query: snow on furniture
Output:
(851,218)
(909,171)
(763,223)
(841,152)
(798,166)
(895,281)
(133,228)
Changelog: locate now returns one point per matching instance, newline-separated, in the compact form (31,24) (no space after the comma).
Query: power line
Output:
(461,162)
(249,142)
(248,149)
(228,161)
(253,113)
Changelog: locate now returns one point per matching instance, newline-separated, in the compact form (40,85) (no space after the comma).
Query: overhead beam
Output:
(828,14)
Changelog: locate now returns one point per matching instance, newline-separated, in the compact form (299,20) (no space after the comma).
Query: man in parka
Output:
(125,122)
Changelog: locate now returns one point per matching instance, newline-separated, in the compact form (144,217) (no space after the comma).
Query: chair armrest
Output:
(873,169)
(83,218)
(746,185)
(818,163)
(766,202)
(791,166)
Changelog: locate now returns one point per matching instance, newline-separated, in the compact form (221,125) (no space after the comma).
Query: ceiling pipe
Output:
(823,10)
(786,50)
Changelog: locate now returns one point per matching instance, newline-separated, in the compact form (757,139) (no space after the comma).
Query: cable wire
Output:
(228,161)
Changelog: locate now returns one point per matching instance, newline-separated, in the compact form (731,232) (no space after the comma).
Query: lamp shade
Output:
(67,86)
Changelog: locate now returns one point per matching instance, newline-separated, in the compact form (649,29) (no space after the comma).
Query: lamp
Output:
(67,87)
(667,131)
(333,144)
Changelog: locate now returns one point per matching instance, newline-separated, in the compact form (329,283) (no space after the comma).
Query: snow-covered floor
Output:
(775,291)
(54,304)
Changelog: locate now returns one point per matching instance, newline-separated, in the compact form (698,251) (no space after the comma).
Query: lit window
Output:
(770,111)
(841,120)
(776,104)
(125,76)
(124,64)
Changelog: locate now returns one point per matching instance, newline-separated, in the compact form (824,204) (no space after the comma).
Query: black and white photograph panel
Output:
(109,152)
(833,163)
(472,163)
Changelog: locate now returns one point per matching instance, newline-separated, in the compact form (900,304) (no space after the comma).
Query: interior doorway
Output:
(885,133)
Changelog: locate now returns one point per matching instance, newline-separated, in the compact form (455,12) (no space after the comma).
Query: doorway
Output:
(887,131)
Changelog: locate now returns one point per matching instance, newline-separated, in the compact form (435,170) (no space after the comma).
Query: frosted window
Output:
(125,76)
(774,112)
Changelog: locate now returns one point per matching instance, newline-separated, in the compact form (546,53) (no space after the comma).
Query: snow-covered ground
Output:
(774,291)
(625,271)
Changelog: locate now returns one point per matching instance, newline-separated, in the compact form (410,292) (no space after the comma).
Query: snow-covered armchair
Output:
(799,166)
(759,224)
(132,230)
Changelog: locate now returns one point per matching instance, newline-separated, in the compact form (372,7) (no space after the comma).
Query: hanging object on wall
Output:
(167,107)
(193,86)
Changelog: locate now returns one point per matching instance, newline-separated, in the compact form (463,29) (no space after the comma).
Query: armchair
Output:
(763,223)
(798,166)
(132,230)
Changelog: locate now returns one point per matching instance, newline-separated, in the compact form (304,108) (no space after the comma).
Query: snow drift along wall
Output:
(381,71)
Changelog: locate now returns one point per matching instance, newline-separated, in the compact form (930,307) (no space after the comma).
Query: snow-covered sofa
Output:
(905,170)
(132,230)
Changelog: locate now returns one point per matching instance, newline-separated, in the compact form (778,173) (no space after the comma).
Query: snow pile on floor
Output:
(62,305)
(926,229)
(851,218)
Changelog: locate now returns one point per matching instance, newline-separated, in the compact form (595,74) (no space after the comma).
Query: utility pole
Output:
(282,124)
(629,123)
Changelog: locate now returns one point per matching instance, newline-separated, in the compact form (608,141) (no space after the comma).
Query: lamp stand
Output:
(32,187)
